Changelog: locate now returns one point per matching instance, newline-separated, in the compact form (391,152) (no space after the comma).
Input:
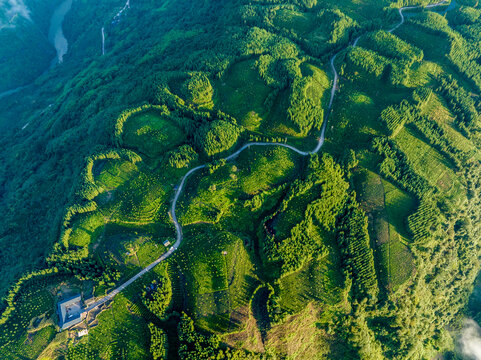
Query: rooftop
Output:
(69,311)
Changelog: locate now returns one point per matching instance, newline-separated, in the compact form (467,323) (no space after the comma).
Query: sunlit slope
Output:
(367,249)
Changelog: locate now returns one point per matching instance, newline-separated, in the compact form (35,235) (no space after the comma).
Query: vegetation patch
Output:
(219,273)
(399,206)
(242,93)
(152,133)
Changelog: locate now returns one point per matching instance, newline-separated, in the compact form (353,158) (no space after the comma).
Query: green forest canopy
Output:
(368,249)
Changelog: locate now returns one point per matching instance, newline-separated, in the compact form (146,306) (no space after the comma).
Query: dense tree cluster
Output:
(358,259)
(302,245)
(217,137)
(158,343)
(182,156)
(460,102)
(77,263)
(274,310)
(157,296)
(304,112)
(391,46)
(396,167)
(426,221)
(461,53)
(342,25)
(395,116)
(372,63)
(466,15)
(196,89)
(197,346)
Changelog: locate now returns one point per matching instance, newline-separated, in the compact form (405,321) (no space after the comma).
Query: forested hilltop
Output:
(134,149)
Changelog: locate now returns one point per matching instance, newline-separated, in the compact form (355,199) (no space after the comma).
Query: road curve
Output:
(320,142)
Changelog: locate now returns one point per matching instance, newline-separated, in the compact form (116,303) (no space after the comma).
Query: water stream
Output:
(115,20)
(103,41)
(55,33)
(56,37)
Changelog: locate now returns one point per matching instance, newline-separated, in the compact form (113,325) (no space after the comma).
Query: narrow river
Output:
(56,37)
(55,33)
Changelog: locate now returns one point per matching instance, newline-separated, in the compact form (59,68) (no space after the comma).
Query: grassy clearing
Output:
(151,133)
(399,206)
(421,74)
(437,110)
(141,200)
(110,174)
(242,93)
(388,209)
(369,189)
(265,169)
(319,84)
(215,197)
(320,281)
(37,341)
(357,107)
(208,198)
(130,246)
(86,229)
(301,23)
(426,161)
(356,111)
(219,275)
(299,337)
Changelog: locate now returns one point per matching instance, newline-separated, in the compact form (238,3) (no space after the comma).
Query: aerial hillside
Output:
(26,52)
(245,180)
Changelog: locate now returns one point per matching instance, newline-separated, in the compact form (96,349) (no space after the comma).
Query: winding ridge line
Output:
(321,138)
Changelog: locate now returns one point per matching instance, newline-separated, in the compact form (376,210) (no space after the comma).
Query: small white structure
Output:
(166,243)
(83,332)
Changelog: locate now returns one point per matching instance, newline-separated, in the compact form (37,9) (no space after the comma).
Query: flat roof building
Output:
(69,311)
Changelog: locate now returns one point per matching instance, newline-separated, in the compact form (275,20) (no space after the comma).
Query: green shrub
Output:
(217,136)
(182,156)
(196,89)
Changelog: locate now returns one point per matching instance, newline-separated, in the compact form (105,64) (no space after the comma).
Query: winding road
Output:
(321,138)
